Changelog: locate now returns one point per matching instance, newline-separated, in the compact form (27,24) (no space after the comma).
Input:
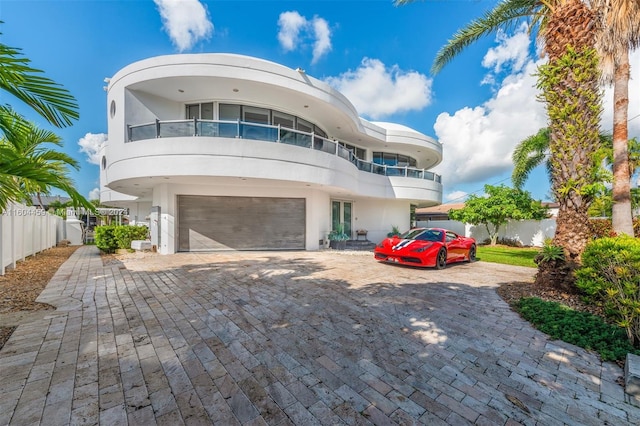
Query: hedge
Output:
(109,238)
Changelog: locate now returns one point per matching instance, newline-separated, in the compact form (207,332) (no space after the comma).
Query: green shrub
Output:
(603,228)
(105,238)
(108,238)
(550,253)
(610,274)
(578,328)
(126,233)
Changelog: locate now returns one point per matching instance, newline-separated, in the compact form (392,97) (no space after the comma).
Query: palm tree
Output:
(529,154)
(27,167)
(569,85)
(618,25)
(619,32)
(534,151)
(21,170)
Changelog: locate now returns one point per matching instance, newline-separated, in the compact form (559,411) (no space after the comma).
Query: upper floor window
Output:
(200,111)
(234,112)
(397,160)
(256,115)
(358,152)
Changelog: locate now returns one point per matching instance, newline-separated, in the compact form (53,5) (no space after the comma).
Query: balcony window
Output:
(357,152)
(395,160)
(200,111)
(259,116)
(228,112)
(303,126)
(286,122)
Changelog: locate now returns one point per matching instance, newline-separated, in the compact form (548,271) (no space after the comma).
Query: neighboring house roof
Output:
(440,209)
(48,199)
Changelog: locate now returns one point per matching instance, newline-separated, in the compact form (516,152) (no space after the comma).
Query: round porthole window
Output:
(112,109)
(104,162)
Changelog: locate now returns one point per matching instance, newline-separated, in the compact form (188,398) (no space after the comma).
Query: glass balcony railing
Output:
(267,133)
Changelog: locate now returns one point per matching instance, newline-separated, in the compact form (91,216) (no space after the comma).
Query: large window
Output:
(285,121)
(358,152)
(250,114)
(200,111)
(396,160)
(341,214)
(228,112)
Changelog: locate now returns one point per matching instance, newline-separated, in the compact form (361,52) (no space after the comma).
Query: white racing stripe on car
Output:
(401,244)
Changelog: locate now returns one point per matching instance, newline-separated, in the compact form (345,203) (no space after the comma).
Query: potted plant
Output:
(337,238)
(395,232)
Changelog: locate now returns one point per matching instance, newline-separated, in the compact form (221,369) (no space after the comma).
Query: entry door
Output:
(341,212)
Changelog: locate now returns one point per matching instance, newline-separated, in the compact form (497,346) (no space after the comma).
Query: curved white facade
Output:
(189,134)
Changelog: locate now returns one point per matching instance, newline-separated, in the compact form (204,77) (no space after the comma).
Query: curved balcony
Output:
(270,134)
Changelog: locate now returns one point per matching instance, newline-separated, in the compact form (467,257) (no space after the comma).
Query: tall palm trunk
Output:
(621,190)
(570,88)
(619,33)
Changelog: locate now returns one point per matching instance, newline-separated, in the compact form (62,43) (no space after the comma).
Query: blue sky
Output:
(479,106)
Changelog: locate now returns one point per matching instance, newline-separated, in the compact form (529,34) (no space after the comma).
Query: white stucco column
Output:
(165,198)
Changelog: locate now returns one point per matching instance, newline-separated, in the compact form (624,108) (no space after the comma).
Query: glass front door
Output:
(341,213)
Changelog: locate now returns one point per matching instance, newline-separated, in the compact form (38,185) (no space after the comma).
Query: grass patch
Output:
(578,328)
(508,255)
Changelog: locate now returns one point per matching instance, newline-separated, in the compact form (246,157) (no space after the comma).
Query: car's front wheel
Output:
(472,254)
(441,260)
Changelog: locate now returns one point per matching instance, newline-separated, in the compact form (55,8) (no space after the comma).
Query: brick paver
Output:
(285,338)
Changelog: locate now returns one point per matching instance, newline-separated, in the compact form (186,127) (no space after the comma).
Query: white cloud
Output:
(186,22)
(91,144)
(512,52)
(94,194)
(377,91)
(478,141)
(290,24)
(296,32)
(322,44)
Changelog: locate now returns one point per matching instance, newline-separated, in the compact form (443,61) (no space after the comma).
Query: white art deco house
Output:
(221,151)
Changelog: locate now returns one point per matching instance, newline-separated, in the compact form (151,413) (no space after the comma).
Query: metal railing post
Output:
(238,129)
(157,128)
(195,126)
(278,138)
(128,133)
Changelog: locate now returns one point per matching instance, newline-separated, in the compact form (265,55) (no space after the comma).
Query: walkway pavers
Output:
(284,338)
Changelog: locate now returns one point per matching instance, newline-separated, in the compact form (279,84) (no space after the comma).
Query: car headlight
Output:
(421,249)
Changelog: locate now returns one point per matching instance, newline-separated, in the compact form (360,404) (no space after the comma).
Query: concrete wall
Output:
(527,232)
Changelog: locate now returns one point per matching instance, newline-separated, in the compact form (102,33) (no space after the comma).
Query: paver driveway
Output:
(294,338)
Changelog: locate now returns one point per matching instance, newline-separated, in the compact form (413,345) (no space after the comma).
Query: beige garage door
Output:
(240,223)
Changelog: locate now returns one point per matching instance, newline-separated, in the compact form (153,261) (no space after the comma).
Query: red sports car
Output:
(426,247)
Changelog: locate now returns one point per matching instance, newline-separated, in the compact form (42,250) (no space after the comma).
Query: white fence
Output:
(25,231)
(527,232)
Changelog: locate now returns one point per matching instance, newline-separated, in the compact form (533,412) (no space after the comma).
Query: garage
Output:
(208,223)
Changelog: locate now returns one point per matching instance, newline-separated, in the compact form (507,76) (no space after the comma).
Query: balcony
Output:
(270,134)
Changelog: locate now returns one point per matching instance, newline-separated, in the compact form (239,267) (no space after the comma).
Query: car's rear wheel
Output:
(441,260)
(472,254)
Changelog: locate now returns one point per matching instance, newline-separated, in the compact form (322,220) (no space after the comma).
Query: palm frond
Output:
(48,98)
(505,15)
(529,154)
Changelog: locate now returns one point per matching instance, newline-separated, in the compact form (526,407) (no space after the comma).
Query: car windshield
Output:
(423,235)
(430,235)
(411,234)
